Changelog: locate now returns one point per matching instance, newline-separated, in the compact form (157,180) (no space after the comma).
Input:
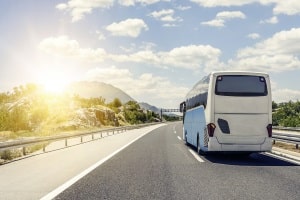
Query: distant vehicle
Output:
(229,112)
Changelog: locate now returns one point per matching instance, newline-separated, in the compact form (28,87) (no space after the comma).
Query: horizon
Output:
(154,51)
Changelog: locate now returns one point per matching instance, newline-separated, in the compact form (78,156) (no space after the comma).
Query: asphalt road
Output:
(160,166)
(35,177)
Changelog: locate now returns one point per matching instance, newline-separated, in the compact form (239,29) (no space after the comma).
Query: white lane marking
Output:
(73,180)
(174,130)
(196,156)
(282,158)
(179,138)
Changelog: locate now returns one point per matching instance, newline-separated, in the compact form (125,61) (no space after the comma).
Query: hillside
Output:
(98,89)
(147,106)
(31,111)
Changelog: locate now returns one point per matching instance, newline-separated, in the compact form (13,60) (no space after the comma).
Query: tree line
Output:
(286,114)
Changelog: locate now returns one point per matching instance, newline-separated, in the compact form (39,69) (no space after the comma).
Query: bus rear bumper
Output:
(214,145)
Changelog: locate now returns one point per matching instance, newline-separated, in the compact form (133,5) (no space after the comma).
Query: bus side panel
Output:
(209,110)
(186,125)
(194,124)
(201,124)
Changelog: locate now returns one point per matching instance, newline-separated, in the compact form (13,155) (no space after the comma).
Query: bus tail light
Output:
(211,129)
(269,128)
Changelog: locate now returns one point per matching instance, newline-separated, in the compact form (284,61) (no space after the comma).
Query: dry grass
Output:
(286,146)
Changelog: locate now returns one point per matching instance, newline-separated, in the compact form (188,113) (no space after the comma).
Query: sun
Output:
(55,86)
(54,83)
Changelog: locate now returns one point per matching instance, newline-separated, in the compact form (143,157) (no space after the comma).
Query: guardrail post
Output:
(81,139)
(24,151)
(93,136)
(101,134)
(274,141)
(66,142)
(44,148)
(297,146)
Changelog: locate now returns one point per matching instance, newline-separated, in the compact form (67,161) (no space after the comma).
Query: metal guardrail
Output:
(296,129)
(287,138)
(27,142)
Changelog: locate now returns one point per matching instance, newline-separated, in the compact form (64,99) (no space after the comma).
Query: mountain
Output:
(94,89)
(147,106)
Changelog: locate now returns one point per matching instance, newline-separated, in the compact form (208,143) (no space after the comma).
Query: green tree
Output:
(274,105)
(18,118)
(133,113)
(116,103)
(4,118)
(287,114)
(39,113)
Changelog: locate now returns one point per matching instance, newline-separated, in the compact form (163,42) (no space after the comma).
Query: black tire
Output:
(198,145)
(199,151)
(185,139)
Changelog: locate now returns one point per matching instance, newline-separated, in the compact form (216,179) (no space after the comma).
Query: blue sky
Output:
(155,50)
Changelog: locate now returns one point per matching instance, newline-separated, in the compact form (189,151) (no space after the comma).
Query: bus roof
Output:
(218,73)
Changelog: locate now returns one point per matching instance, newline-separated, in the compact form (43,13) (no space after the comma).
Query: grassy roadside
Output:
(10,135)
(11,154)
(286,146)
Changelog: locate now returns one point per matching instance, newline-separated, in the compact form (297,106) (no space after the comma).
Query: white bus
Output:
(229,112)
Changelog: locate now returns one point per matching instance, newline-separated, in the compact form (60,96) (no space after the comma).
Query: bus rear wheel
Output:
(198,145)
(185,139)
(199,151)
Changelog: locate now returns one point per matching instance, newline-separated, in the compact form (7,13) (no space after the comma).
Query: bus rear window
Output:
(241,85)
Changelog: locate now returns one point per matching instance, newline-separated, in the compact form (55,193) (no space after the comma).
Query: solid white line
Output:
(70,182)
(196,156)
(282,158)
(179,138)
(174,132)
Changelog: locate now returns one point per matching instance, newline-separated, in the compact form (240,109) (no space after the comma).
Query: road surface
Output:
(157,165)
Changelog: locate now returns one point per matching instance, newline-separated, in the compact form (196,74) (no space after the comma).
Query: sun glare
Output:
(54,83)
(54,86)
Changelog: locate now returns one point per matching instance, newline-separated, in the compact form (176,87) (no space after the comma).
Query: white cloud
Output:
(157,89)
(228,3)
(145,46)
(170,25)
(224,16)
(285,95)
(166,16)
(191,57)
(281,52)
(253,36)
(215,23)
(230,15)
(288,7)
(183,7)
(162,13)
(100,35)
(284,42)
(64,47)
(127,2)
(79,8)
(194,57)
(149,2)
(272,20)
(128,27)
(142,2)
(61,45)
